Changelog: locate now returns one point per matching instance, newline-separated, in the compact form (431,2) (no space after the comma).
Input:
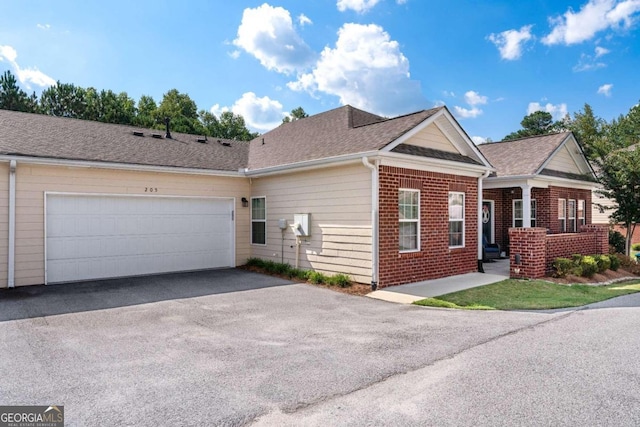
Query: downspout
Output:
(480,197)
(11,268)
(374,221)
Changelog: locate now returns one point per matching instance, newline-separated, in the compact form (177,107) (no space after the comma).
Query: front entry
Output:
(488,227)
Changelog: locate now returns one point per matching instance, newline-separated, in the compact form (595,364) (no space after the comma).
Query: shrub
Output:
(563,266)
(255,262)
(576,258)
(636,247)
(603,262)
(615,262)
(317,278)
(341,280)
(589,266)
(618,241)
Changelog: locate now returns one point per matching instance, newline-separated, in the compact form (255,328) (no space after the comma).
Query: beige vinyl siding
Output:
(32,181)
(563,162)
(432,137)
(4,222)
(339,201)
(598,217)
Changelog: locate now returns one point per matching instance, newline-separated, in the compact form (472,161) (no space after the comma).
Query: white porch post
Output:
(526,206)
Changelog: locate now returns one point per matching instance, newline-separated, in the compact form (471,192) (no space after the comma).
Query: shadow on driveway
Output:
(38,301)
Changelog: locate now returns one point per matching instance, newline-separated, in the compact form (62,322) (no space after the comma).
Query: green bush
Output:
(615,262)
(341,280)
(576,258)
(317,278)
(636,247)
(603,261)
(589,266)
(563,266)
(618,241)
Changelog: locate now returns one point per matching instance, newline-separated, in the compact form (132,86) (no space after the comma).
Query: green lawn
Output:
(514,294)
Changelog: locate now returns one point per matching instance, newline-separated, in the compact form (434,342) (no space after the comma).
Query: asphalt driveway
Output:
(224,347)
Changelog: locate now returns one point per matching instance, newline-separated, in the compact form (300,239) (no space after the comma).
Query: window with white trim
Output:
(582,207)
(562,215)
(571,216)
(456,219)
(518,213)
(409,217)
(259,220)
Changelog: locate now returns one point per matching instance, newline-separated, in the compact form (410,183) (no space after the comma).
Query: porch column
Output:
(526,206)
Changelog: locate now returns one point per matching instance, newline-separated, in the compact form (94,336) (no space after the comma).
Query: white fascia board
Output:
(311,164)
(411,133)
(432,165)
(536,181)
(470,144)
(579,163)
(119,166)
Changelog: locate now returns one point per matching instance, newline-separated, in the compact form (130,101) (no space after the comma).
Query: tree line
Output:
(612,148)
(69,100)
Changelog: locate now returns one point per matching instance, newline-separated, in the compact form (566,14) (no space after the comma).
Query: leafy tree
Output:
(589,130)
(296,114)
(116,108)
(64,100)
(181,110)
(146,112)
(228,126)
(536,123)
(14,98)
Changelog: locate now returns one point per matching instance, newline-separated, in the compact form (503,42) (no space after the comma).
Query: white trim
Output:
(233,231)
(464,219)
(562,202)
(465,137)
(375,244)
(537,181)
(492,203)
(513,211)
(310,164)
(120,166)
(432,165)
(416,221)
(581,219)
(251,220)
(411,133)
(11,257)
(569,218)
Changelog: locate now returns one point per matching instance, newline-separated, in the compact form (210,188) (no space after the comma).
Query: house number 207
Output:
(150,189)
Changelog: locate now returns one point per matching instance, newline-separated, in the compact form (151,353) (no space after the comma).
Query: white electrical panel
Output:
(282,224)
(302,224)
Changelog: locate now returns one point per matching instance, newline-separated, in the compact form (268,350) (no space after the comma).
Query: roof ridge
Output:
(388,119)
(525,137)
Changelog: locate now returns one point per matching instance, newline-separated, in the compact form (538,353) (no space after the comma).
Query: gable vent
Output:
(156,136)
(225,143)
(138,133)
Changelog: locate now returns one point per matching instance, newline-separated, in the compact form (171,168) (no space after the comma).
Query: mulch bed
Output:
(598,279)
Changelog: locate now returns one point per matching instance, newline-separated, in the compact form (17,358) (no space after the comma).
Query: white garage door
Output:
(95,237)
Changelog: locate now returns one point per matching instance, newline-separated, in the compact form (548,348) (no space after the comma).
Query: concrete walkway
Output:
(411,292)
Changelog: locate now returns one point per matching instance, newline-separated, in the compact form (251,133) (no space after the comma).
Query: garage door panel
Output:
(91,237)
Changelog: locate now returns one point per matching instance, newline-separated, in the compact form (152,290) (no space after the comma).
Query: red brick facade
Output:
(547,208)
(434,259)
(537,249)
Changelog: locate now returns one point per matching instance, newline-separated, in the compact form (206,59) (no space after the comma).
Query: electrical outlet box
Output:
(282,224)
(302,224)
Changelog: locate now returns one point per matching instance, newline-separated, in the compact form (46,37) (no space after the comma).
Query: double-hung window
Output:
(581,212)
(571,220)
(409,217)
(456,220)
(562,215)
(518,213)
(259,220)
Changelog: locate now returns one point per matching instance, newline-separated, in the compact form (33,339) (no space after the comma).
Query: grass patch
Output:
(514,294)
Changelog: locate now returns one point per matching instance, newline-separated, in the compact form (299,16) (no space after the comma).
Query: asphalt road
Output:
(236,348)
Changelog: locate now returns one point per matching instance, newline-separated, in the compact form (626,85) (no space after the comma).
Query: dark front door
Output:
(487,220)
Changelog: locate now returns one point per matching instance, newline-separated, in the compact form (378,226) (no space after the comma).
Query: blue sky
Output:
(490,62)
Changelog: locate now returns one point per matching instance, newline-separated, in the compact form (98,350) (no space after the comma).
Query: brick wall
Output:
(435,259)
(537,249)
(635,238)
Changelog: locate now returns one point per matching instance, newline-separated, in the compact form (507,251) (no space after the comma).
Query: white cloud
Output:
(467,113)
(44,27)
(304,20)
(366,69)
(588,63)
(605,89)
(474,98)
(267,33)
(601,51)
(510,42)
(449,93)
(593,17)
(401,1)
(558,111)
(26,76)
(360,6)
(259,114)
(235,54)
(478,140)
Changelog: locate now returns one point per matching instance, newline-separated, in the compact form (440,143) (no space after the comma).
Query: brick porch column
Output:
(529,245)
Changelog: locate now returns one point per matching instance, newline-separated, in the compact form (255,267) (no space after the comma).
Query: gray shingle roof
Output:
(342,131)
(38,135)
(522,156)
(415,150)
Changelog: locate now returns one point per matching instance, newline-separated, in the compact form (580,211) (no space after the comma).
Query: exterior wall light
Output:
(245,202)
